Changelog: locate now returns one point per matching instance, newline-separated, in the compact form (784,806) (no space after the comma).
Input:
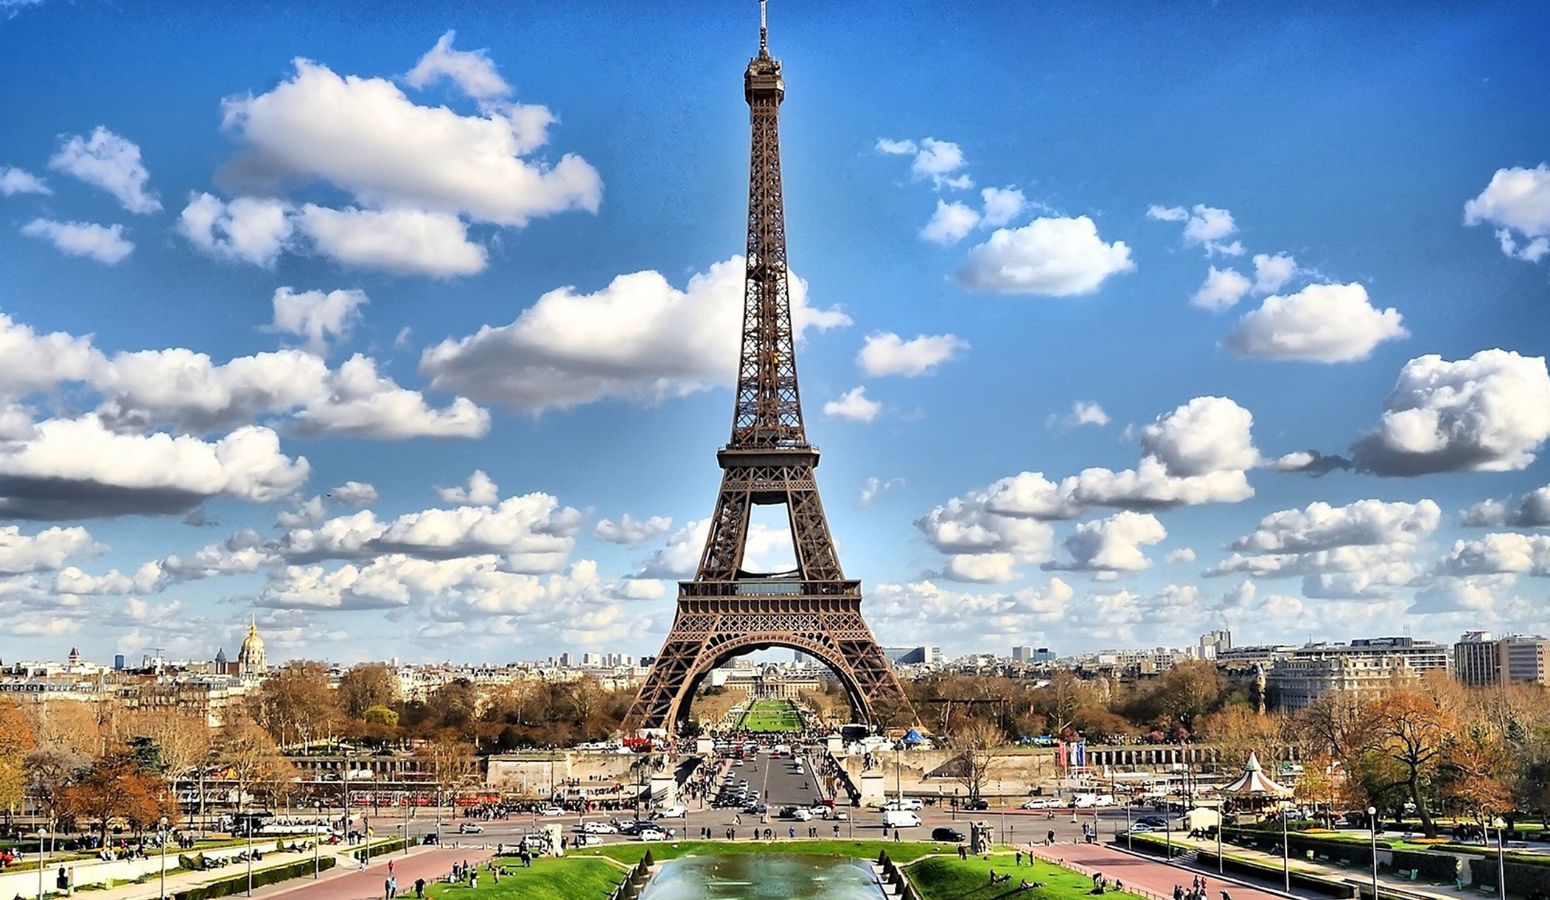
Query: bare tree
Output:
(977,743)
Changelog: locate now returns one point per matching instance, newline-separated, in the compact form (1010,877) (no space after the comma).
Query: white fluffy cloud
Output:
(1327,323)
(353,493)
(630,531)
(1321,526)
(1499,553)
(1222,289)
(1488,413)
(952,221)
(1271,273)
(875,487)
(638,339)
(248,229)
(1082,413)
(853,406)
(364,136)
(399,241)
(110,162)
(1001,205)
(471,70)
(481,490)
(78,468)
(1204,226)
(885,353)
(532,533)
(1053,257)
(188,391)
(1114,544)
(1517,202)
(45,551)
(1180,556)
(931,159)
(318,316)
(104,243)
(1533,511)
(1198,453)
(20,181)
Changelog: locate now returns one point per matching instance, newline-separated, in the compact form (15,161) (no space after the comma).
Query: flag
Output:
(1081,752)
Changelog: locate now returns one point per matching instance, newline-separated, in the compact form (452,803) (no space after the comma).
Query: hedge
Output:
(1260,870)
(261,877)
(1441,868)
(1523,879)
(381,847)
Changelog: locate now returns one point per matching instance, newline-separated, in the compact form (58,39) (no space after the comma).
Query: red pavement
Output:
(365,885)
(1152,877)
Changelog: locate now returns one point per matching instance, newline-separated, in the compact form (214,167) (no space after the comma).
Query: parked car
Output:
(598,828)
(470,828)
(977,805)
(1044,803)
(585,840)
(551,811)
(907,804)
(947,834)
(677,810)
(1153,821)
(651,834)
(802,815)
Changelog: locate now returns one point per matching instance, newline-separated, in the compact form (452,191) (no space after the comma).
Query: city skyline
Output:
(413,338)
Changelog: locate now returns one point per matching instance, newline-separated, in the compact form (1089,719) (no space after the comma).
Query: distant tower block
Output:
(727,610)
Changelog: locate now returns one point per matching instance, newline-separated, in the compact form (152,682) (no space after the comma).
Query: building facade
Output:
(1365,666)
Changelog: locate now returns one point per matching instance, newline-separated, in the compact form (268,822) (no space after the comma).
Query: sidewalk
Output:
(1153,877)
(352,884)
(182,881)
(1386,881)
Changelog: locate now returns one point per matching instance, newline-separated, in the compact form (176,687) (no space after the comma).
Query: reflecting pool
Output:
(762,876)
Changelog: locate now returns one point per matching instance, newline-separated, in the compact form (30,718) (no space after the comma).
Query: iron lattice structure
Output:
(726,610)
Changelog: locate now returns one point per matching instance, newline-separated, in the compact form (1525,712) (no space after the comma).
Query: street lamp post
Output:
(1372,824)
(250,856)
(161,831)
(1220,868)
(1129,845)
(1501,863)
(1001,795)
(1168,833)
(42,834)
(1286,863)
(317,843)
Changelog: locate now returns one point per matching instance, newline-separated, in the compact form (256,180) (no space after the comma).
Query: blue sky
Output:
(1080,286)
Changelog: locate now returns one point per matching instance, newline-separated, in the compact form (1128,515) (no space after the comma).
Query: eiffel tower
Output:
(726,610)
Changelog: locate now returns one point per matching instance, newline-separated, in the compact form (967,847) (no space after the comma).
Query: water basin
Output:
(762,876)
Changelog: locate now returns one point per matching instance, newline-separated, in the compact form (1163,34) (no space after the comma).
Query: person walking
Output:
(387,889)
(419,889)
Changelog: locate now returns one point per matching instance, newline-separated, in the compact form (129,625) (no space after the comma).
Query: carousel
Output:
(1253,792)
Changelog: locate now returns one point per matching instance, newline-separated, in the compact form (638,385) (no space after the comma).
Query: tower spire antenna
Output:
(764,26)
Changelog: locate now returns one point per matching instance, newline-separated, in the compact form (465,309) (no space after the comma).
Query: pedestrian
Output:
(392,887)
(387,889)
(473,879)
(791,832)
(1019,857)
(390,867)
(963,852)
(419,889)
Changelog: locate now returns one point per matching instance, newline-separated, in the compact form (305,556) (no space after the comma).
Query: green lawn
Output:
(902,852)
(771,716)
(951,878)
(548,879)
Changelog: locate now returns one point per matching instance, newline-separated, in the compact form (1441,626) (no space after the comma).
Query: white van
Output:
(900,818)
